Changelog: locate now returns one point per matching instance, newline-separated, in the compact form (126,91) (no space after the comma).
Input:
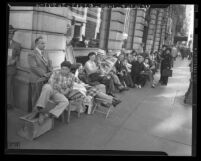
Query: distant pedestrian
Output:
(174,54)
(165,64)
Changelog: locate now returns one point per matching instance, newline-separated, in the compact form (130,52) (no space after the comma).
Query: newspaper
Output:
(106,63)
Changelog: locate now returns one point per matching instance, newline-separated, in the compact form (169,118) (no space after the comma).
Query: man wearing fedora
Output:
(13,56)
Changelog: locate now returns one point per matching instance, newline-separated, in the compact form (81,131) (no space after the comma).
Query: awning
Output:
(159,5)
(180,38)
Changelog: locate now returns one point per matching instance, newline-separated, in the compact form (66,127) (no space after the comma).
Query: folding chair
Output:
(101,109)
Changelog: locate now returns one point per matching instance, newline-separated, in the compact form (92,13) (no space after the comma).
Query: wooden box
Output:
(32,129)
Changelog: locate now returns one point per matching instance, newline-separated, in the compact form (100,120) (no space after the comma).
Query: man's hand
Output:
(57,87)
(65,92)
(121,73)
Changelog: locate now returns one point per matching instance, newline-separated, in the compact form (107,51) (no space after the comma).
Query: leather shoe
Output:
(111,94)
(115,102)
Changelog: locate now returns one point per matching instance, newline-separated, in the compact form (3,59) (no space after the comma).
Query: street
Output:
(148,119)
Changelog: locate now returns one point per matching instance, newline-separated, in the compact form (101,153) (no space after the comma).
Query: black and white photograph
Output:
(111,79)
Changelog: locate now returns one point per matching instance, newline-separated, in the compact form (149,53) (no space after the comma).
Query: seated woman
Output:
(95,74)
(122,71)
(156,60)
(92,91)
(149,68)
(126,62)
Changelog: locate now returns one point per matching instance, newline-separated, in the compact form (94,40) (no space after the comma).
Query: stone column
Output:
(32,22)
(104,28)
(115,39)
(131,29)
(158,30)
(139,28)
(151,30)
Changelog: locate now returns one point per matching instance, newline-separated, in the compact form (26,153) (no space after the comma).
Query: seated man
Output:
(122,72)
(137,70)
(59,84)
(95,74)
(112,74)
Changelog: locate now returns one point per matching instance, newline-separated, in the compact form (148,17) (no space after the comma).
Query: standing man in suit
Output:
(14,49)
(40,67)
(39,62)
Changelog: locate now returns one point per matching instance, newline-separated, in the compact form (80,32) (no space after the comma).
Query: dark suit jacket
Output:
(166,62)
(38,67)
(119,66)
(137,68)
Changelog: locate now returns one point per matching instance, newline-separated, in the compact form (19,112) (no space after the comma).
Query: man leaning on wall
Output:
(40,67)
(14,49)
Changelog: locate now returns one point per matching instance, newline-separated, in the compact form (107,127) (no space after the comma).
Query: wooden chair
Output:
(101,109)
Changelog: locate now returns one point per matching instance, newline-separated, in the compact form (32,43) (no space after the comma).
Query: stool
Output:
(69,112)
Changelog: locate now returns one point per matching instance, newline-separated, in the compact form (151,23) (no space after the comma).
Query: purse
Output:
(167,73)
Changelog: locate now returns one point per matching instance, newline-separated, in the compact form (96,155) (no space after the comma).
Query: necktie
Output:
(42,53)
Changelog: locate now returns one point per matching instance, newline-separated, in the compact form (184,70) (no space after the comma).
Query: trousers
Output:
(61,101)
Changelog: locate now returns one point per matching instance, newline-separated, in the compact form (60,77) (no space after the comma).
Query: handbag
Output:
(167,73)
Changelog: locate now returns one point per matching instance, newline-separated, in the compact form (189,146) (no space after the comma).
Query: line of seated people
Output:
(142,68)
(73,83)
(64,86)
(130,70)
(61,86)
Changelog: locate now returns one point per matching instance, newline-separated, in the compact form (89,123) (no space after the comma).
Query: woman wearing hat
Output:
(165,64)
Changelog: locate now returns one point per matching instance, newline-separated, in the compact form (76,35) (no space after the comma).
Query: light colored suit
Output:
(11,71)
(38,66)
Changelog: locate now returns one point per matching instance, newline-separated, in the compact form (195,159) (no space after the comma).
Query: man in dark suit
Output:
(14,49)
(39,62)
(137,71)
(122,73)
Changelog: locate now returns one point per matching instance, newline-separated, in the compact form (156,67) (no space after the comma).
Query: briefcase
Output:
(167,73)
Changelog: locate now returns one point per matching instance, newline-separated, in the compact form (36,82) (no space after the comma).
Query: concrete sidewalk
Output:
(147,120)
